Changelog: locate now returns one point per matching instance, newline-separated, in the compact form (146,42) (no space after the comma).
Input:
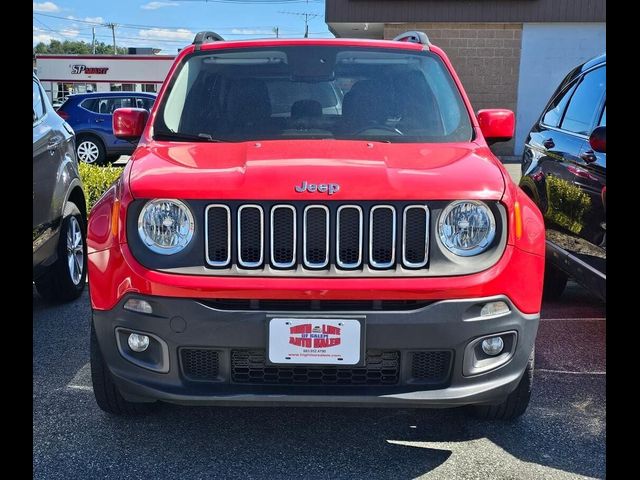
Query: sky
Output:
(172,24)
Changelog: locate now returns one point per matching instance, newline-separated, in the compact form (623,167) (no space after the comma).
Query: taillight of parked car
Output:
(64,115)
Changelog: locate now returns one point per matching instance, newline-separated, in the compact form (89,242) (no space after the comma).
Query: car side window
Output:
(583,106)
(38,103)
(603,118)
(145,103)
(553,115)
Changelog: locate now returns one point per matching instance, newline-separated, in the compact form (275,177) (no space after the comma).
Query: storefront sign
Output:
(83,69)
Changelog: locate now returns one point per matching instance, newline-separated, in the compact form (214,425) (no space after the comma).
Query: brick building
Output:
(508,53)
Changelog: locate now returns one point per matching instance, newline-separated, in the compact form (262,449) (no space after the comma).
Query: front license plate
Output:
(326,341)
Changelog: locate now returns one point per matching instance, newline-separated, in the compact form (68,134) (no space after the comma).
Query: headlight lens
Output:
(165,226)
(467,227)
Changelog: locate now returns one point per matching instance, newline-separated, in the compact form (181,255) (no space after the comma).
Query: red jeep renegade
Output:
(311,222)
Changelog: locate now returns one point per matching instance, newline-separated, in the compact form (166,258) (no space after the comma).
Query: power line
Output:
(148,27)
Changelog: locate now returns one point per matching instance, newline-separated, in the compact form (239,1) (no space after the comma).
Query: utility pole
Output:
(113,26)
(93,39)
(306,16)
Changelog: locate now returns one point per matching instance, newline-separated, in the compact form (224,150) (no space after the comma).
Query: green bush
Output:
(96,180)
(567,204)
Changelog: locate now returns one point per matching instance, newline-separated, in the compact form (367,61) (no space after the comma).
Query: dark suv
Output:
(564,171)
(91,117)
(59,209)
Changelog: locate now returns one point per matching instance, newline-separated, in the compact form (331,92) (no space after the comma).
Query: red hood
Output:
(270,170)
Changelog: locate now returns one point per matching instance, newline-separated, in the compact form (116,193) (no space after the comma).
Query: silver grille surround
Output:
(406,262)
(206,236)
(327,214)
(373,262)
(339,262)
(241,262)
(272,236)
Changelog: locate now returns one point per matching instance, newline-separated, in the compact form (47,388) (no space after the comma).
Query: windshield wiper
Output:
(201,137)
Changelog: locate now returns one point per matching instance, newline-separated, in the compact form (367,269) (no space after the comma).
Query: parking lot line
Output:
(569,372)
(594,319)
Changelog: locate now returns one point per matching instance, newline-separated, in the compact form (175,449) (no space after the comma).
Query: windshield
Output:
(313,92)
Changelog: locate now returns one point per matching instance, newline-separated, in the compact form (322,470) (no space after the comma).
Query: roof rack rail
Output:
(206,37)
(414,37)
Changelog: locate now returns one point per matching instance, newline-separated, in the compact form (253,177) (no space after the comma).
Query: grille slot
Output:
(218,239)
(316,236)
(283,236)
(382,236)
(415,236)
(349,236)
(430,366)
(249,366)
(250,236)
(200,363)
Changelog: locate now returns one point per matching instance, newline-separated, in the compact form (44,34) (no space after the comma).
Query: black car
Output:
(564,170)
(59,208)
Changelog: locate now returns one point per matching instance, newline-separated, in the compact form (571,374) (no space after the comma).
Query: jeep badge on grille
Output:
(329,188)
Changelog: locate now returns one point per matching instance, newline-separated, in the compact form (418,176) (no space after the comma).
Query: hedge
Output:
(96,180)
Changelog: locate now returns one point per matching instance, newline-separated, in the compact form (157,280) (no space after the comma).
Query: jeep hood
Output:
(269,170)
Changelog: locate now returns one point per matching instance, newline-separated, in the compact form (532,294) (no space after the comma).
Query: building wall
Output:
(549,52)
(512,11)
(486,57)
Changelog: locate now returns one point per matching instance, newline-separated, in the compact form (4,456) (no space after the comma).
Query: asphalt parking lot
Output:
(562,435)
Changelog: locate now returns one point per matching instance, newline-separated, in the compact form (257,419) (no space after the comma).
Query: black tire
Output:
(92,143)
(517,401)
(58,284)
(105,390)
(555,281)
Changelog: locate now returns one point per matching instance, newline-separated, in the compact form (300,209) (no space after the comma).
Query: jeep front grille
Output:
(317,237)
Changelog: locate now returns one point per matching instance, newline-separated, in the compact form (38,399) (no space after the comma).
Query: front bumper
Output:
(447,325)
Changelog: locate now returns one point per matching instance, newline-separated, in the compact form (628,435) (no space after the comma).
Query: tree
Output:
(76,47)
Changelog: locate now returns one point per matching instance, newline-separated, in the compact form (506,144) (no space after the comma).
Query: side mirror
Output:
(598,140)
(129,123)
(496,124)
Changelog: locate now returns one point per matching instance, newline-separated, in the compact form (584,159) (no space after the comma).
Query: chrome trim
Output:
(573,134)
(304,238)
(239,241)
(393,244)
(360,235)
(295,239)
(426,236)
(206,236)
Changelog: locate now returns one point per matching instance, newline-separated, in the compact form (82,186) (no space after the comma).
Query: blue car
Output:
(91,114)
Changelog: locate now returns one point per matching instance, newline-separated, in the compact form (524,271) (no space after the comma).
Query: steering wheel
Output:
(379,127)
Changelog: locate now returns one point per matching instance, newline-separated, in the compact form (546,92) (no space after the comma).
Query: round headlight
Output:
(467,227)
(165,226)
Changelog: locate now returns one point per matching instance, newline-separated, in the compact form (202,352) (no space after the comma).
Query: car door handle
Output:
(548,143)
(589,156)
(99,120)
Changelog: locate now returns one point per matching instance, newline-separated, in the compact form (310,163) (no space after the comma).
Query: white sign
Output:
(104,68)
(314,341)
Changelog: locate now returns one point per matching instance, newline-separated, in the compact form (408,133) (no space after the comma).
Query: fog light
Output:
(139,343)
(137,305)
(493,309)
(491,346)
